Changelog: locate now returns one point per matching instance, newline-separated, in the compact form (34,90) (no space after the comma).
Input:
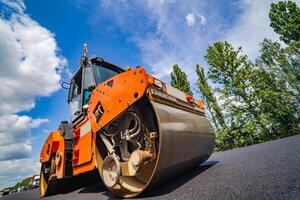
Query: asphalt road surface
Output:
(265,171)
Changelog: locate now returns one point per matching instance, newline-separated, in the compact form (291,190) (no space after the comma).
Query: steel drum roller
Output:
(186,139)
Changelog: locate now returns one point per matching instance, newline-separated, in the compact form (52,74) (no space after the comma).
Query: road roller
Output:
(131,127)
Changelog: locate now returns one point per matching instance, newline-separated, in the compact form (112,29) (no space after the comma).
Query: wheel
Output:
(47,175)
(111,171)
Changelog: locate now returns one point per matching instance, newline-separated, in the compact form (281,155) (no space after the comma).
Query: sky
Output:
(41,44)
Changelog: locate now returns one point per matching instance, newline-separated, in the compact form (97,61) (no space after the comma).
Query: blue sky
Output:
(41,42)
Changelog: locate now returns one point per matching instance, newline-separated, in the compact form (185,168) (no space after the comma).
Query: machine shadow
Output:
(96,188)
(171,184)
(86,183)
(91,182)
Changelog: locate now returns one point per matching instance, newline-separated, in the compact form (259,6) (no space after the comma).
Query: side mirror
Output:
(65,85)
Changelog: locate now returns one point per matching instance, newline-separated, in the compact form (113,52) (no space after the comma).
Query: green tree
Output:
(285,62)
(179,80)
(231,71)
(285,20)
(293,55)
(24,183)
(277,90)
(223,138)
(260,100)
(209,98)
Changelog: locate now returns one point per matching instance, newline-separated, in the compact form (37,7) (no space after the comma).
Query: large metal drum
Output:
(186,139)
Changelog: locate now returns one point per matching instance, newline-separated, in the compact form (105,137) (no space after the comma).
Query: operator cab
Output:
(91,73)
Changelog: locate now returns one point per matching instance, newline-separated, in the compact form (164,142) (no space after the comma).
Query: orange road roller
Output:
(130,126)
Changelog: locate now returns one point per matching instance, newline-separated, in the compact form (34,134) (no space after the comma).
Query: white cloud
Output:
(15,137)
(37,122)
(28,63)
(13,171)
(202,19)
(190,19)
(159,29)
(15,151)
(14,130)
(30,66)
(251,27)
(17,5)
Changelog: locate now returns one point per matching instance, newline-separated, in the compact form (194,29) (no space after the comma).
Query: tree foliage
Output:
(277,89)
(260,99)
(285,20)
(24,183)
(231,71)
(252,101)
(210,99)
(179,80)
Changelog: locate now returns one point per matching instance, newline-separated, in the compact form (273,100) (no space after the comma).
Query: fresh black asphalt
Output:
(264,171)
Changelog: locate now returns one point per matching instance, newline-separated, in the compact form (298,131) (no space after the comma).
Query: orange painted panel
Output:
(51,145)
(116,95)
(54,143)
(84,167)
(83,144)
(60,168)
(87,166)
